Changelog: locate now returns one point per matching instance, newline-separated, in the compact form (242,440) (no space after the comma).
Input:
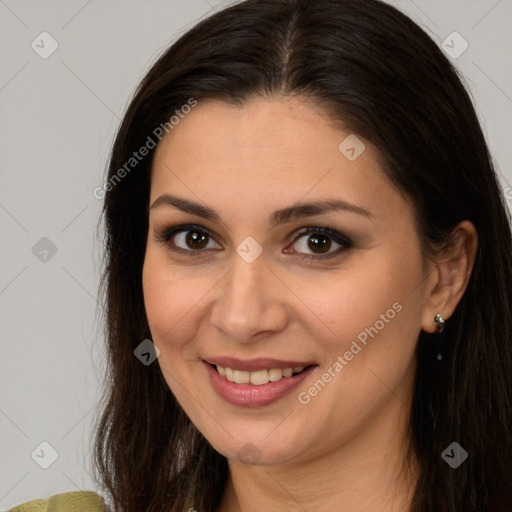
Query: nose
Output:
(250,302)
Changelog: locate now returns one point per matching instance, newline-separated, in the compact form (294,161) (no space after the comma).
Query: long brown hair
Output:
(376,71)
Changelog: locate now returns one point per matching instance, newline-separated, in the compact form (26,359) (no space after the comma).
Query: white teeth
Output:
(258,377)
(229,374)
(275,374)
(241,377)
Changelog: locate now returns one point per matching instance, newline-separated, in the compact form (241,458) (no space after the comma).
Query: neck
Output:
(367,473)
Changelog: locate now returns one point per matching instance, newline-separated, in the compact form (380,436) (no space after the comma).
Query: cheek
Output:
(347,302)
(371,319)
(171,307)
(170,302)
(373,314)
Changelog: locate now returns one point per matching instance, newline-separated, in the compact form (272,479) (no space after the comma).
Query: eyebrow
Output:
(296,211)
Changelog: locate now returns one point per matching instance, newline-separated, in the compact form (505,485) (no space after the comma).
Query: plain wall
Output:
(58,117)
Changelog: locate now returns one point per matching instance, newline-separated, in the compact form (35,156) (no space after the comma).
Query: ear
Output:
(450,276)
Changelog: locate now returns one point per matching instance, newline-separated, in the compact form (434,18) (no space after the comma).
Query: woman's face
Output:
(247,287)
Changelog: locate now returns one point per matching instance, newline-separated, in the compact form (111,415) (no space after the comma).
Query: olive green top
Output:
(76,501)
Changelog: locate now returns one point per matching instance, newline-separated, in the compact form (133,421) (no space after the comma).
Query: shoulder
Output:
(76,501)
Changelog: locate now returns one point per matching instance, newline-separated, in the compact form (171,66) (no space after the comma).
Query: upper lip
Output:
(259,363)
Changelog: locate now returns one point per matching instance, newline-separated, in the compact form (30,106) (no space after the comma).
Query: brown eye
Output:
(312,243)
(188,240)
(196,240)
(317,242)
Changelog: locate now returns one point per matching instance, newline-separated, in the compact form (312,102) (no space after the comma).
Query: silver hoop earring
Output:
(440,321)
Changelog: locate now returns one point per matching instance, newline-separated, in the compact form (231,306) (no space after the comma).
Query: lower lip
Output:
(250,395)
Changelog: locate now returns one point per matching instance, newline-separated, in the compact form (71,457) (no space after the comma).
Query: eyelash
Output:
(166,235)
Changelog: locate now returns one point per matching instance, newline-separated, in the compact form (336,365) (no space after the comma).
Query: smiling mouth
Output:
(258,377)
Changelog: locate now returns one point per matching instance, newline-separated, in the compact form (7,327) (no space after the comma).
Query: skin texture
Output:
(344,449)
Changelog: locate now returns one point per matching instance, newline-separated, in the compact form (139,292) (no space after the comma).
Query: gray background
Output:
(58,117)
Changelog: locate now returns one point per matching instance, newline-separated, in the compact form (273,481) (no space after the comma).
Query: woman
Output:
(308,274)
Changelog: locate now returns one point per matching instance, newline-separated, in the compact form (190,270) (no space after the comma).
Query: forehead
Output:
(267,151)
(281,130)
